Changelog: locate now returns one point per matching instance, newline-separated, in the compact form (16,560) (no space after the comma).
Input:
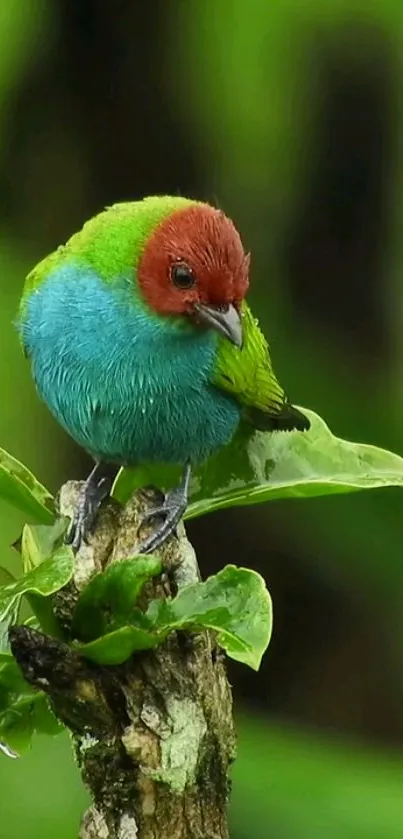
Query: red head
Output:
(194,265)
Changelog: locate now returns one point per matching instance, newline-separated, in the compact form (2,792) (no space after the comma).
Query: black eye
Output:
(182,276)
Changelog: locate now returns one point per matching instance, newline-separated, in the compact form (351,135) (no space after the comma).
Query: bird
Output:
(144,348)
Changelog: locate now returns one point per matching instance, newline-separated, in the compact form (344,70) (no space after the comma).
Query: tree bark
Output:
(153,738)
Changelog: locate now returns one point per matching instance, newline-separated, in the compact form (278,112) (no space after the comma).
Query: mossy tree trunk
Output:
(154,737)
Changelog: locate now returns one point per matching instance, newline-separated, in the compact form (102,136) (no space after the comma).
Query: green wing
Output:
(248,375)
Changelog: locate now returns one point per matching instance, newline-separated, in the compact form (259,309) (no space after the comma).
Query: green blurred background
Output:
(289,115)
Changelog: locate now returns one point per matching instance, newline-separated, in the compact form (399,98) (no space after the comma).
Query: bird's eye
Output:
(182,276)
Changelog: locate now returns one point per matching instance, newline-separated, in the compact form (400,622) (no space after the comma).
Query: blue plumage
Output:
(123,382)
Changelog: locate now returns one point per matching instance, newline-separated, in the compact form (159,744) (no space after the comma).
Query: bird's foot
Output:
(94,491)
(169,513)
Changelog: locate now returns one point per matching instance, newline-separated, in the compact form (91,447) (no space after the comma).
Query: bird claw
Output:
(157,512)
(95,489)
(171,512)
(82,522)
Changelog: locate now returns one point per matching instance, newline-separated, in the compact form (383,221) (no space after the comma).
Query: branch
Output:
(154,737)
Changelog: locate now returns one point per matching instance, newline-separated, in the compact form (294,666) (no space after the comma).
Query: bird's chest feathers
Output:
(126,385)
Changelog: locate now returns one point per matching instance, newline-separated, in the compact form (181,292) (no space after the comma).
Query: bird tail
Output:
(288,418)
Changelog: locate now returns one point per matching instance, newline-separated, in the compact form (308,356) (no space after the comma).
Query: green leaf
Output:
(108,601)
(39,541)
(130,479)
(32,622)
(5,576)
(7,751)
(5,657)
(45,721)
(235,603)
(20,488)
(23,711)
(259,467)
(9,616)
(54,573)
(116,647)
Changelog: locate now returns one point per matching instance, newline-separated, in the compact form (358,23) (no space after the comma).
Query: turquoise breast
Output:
(126,385)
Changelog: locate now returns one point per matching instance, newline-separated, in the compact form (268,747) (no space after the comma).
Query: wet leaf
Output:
(20,488)
(259,467)
(234,603)
(54,573)
(7,751)
(38,542)
(8,617)
(23,711)
(108,600)
(116,647)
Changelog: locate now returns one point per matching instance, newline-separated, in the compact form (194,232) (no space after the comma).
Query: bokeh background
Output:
(289,115)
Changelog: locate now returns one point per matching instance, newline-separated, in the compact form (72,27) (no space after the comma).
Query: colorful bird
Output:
(144,349)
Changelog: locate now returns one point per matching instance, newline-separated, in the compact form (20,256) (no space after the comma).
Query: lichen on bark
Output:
(154,737)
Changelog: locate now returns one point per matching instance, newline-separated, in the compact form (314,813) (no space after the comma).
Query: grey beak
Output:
(225,319)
